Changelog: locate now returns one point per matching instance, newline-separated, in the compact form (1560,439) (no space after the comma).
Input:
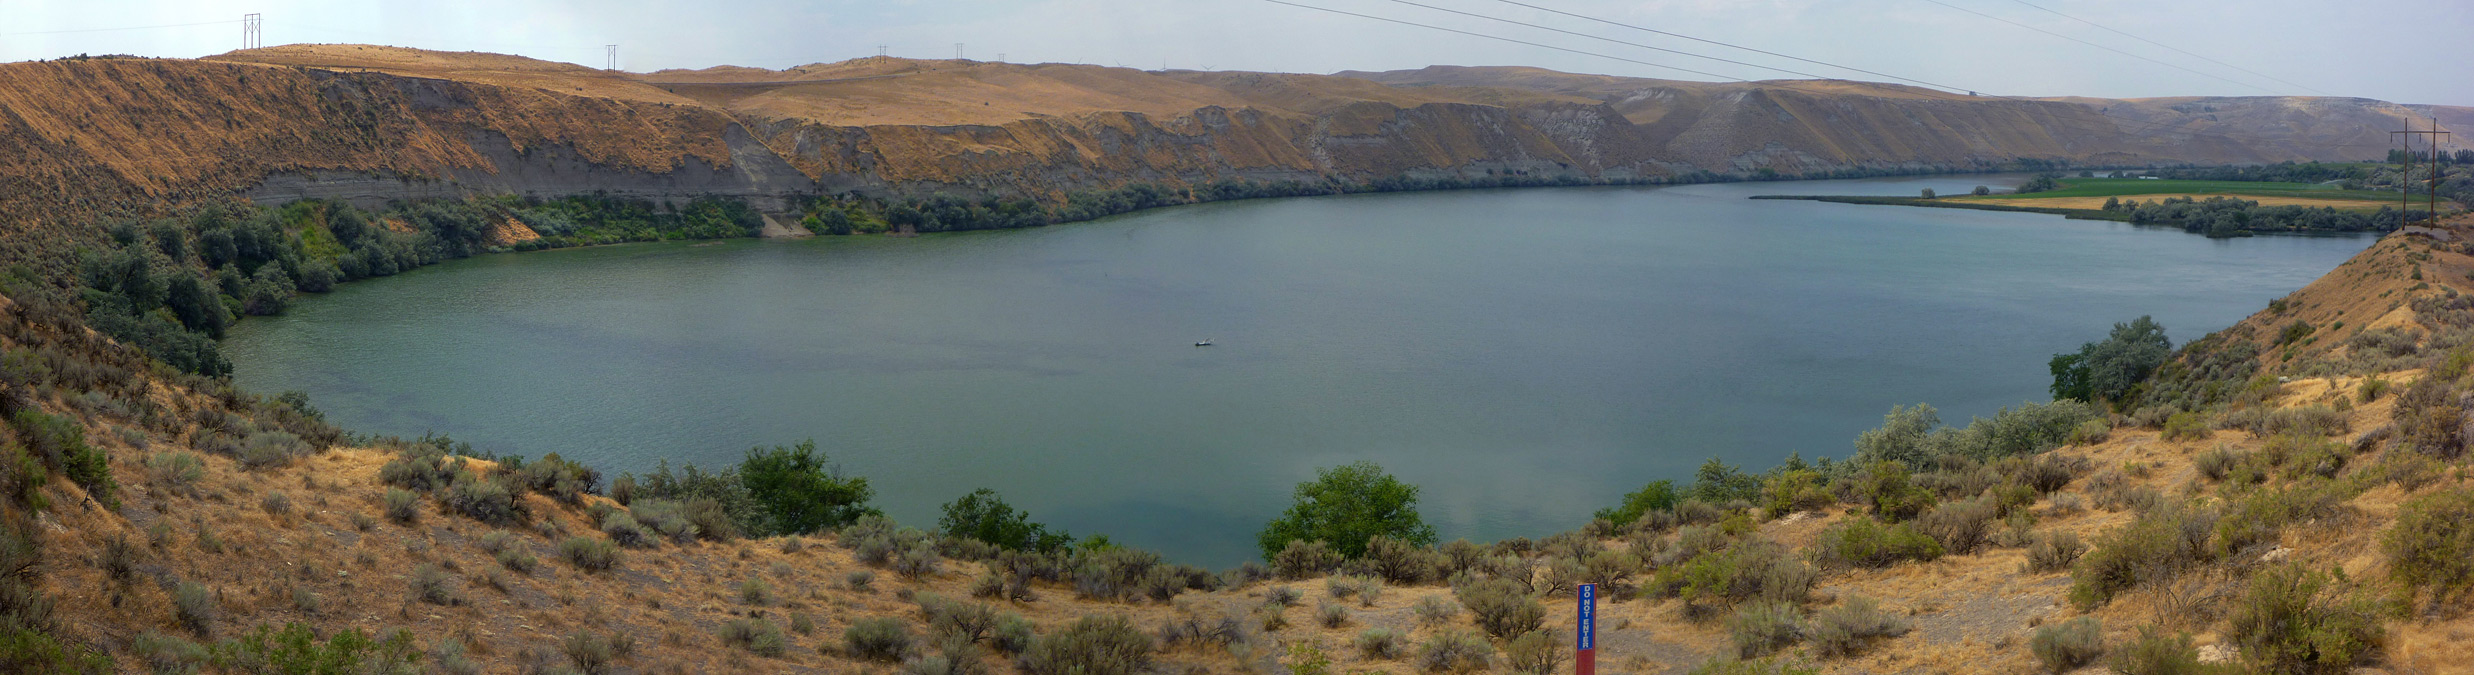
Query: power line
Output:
(2098,46)
(106,30)
(2167,46)
(1613,40)
(1728,45)
(2144,125)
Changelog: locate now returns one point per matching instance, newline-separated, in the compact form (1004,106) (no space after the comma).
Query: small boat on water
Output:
(1205,343)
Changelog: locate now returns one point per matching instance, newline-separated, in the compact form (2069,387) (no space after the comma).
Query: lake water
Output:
(1526,356)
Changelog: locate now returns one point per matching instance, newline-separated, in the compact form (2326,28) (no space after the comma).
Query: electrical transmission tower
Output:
(957,51)
(253,31)
(2405,181)
(880,52)
(613,51)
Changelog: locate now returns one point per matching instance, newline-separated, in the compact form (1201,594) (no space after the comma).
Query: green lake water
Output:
(1526,356)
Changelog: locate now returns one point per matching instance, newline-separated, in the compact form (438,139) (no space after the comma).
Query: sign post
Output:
(1585,658)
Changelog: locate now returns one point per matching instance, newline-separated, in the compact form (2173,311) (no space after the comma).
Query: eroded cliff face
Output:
(86,139)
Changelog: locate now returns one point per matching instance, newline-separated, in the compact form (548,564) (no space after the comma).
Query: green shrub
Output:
(1763,627)
(1752,569)
(625,531)
(485,500)
(267,449)
(1345,507)
(2091,432)
(590,652)
(2186,426)
(1092,645)
(859,580)
(1013,634)
(2428,418)
(296,649)
(2430,546)
(2257,518)
(1455,651)
(1332,615)
(1893,495)
(1960,526)
(2370,389)
(2054,551)
(161,653)
(179,470)
(1536,652)
(2065,646)
(1380,644)
(1656,496)
(667,517)
(2292,621)
(881,639)
(755,592)
(2157,544)
(1402,562)
(402,506)
(801,491)
(2156,652)
(757,636)
(589,554)
(61,443)
(1301,559)
(1771,666)
(434,585)
(1848,627)
(561,479)
(1864,542)
(1502,607)
(194,606)
(983,515)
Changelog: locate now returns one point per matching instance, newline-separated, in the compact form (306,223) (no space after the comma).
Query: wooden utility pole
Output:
(2405,181)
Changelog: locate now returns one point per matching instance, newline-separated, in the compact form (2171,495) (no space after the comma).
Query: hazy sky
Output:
(2324,46)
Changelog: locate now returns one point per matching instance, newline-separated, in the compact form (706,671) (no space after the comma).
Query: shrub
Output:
(485,500)
(881,639)
(2291,621)
(1013,634)
(561,479)
(2370,389)
(2185,426)
(1752,569)
(1656,496)
(1380,644)
(2091,432)
(1846,628)
(2156,652)
(590,652)
(2428,419)
(194,606)
(1435,611)
(589,554)
(1300,559)
(164,653)
(755,592)
(271,449)
(757,636)
(119,559)
(1536,652)
(800,490)
(1455,652)
(667,517)
(434,585)
(1092,645)
(1771,666)
(2054,552)
(1332,615)
(177,469)
(2157,544)
(984,516)
(1892,494)
(858,580)
(402,506)
(2153,417)
(1402,562)
(2430,546)
(1863,542)
(517,559)
(1345,507)
(625,531)
(295,649)
(2065,646)
(1282,596)
(1502,608)
(1960,526)
(1764,627)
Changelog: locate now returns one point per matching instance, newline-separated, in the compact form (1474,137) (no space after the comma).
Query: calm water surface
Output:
(1524,355)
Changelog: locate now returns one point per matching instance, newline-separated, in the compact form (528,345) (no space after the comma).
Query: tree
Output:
(1901,437)
(1982,191)
(1656,496)
(2108,368)
(1928,193)
(984,515)
(1345,506)
(800,491)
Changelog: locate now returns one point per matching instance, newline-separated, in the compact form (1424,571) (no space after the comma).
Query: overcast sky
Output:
(2316,46)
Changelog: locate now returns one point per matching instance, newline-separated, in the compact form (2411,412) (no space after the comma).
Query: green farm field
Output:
(2124,187)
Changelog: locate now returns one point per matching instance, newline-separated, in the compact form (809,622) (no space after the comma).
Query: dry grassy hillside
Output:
(232,513)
